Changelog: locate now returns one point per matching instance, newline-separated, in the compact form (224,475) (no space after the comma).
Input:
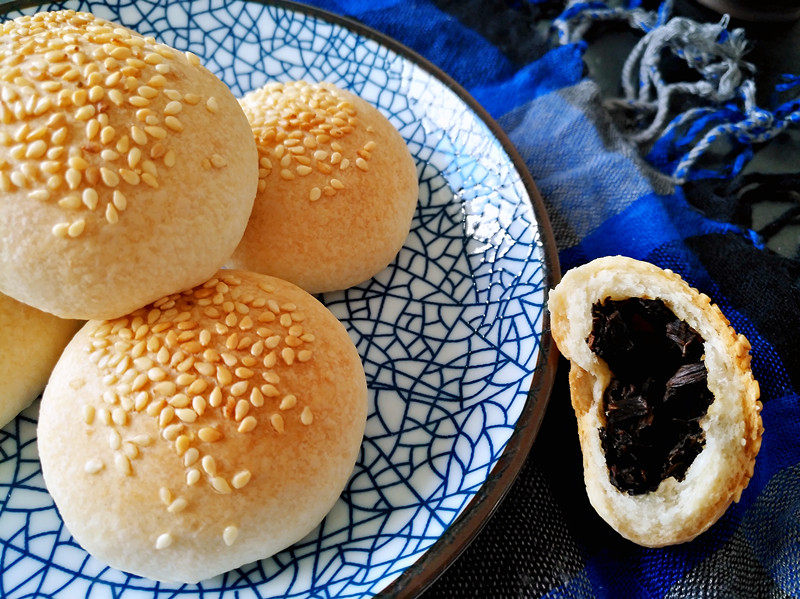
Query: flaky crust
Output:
(338,211)
(204,432)
(129,170)
(675,512)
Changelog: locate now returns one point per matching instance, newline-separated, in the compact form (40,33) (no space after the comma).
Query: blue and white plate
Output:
(451,334)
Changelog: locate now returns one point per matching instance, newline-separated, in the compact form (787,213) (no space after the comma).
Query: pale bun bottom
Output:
(30,343)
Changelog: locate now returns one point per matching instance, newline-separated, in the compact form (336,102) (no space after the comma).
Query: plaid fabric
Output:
(604,198)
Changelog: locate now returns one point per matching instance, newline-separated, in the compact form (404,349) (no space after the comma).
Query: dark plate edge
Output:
(437,558)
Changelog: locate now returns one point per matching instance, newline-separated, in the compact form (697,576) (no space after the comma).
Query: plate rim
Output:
(475,515)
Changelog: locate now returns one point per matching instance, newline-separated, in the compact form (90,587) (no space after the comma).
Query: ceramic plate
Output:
(451,333)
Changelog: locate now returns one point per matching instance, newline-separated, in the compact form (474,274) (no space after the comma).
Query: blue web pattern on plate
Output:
(449,333)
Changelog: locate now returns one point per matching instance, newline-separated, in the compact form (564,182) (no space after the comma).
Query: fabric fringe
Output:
(728,119)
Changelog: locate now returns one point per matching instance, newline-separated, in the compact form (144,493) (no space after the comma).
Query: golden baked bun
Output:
(713,390)
(30,343)
(127,170)
(337,187)
(207,430)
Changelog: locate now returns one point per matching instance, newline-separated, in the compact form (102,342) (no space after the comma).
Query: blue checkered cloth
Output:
(606,195)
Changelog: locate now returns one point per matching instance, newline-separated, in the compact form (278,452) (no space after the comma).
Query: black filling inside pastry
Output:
(657,394)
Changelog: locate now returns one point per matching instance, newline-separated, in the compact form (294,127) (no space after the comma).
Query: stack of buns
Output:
(202,418)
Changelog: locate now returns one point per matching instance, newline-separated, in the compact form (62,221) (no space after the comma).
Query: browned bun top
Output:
(127,170)
(337,187)
(207,430)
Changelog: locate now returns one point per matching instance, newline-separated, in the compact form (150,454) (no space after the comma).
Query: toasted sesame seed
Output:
(182,443)
(287,353)
(230,534)
(220,485)
(156,132)
(119,416)
(76,228)
(186,414)
(123,464)
(276,420)
(306,417)
(138,135)
(209,465)
(218,161)
(130,450)
(369,146)
(88,414)
(191,456)
(247,424)
(171,432)
(215,398)
(192,476)
(336,184)
(303,355)
(288,402)
(163,541)
(212,105)
(93,466)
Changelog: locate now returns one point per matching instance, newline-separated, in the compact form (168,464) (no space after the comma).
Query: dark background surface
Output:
(515,554)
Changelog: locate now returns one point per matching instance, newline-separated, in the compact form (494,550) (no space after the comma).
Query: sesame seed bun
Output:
(30,343)
(337,187)
(207,430)
(127,170)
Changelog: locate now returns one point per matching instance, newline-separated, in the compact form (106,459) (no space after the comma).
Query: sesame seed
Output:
(276,420)
(186,414)
(220,485)
(248,424)
(150,180)
(192,476)
(156,132)
(303,355)
(177,506)
(172,108)
(288,402)
(93,466)
(119,416)
(209,465)
(138,135)
(76,228)
(179,400)
(215,398)
(344,164)
(229,535)
(336,184)
(239,388)
(123,464)
(143,440)
(212,105)
(191,456)
(242,407)
(173,123)
(171,432)
(182,443)
(218,161)
(112,216)
(306,417)
(287,353)
(362,164)
(369,146)
(192,99)
(130,450)
(88,414)
(129,176)
(163,541)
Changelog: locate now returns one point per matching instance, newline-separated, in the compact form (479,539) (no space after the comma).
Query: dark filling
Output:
(657,394)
